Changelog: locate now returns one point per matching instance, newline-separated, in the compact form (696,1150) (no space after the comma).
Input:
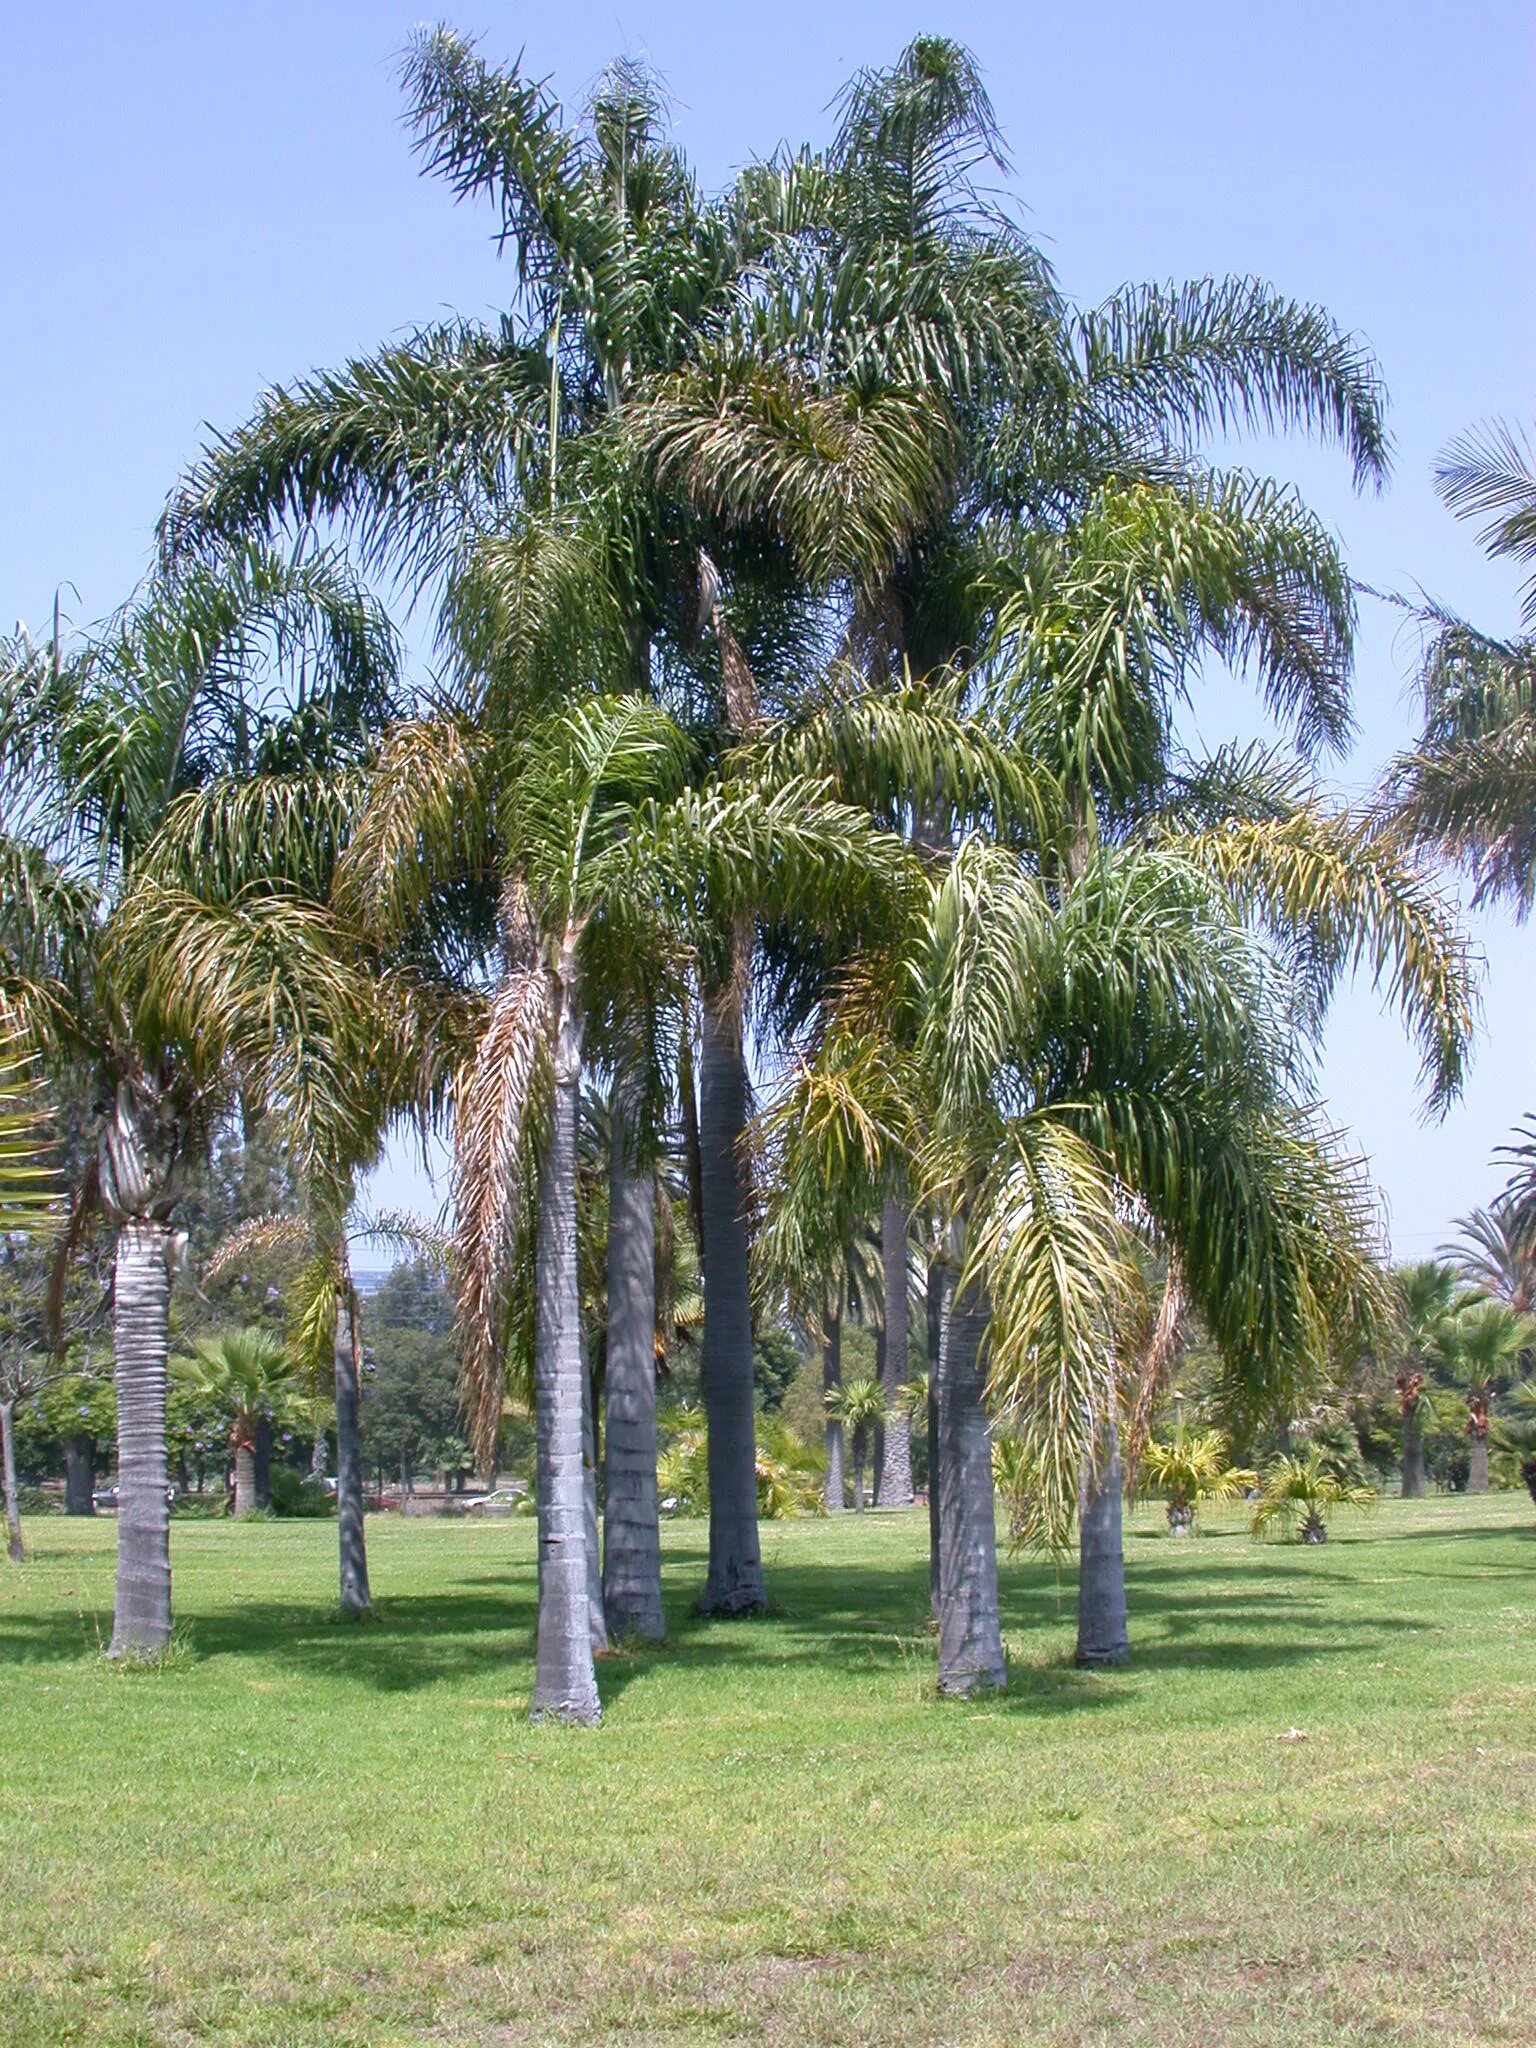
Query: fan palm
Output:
(1427,1299)
(1481,1348)
(256,664)
(250,1375)
(1305,1490)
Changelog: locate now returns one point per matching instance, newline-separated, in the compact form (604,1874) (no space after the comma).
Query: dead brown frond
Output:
(495,1092)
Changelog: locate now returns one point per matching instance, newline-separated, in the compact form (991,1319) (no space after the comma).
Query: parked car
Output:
(106,1497)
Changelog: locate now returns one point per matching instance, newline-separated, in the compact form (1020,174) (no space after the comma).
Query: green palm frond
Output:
(28,1186)
(1304,1488)
(1222,354)
(1490,473)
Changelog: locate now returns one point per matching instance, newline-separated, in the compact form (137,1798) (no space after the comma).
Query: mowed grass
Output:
(1307,1814)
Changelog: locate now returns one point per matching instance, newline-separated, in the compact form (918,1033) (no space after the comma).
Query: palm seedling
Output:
(1298,1493)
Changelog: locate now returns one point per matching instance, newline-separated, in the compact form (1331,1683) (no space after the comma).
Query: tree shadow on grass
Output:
(873,1617)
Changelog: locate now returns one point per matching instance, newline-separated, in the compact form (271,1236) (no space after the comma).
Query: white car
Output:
(501,1502)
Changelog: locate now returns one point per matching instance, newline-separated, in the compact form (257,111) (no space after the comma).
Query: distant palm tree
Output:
(1427,1294)
(859,1405)
(250,1375)
(1481,1348)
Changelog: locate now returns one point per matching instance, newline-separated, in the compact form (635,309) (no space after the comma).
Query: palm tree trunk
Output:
(140,1337)
(895,1487)
(318,1457)
(351,1542)
(940,1292)
(831,1380)
(735,1581)
(1477,1466)
(15,1549)
(970,1627)
(858,1467)
(631,1521)
(565,1680)
(596,1621)
(79,1475)
(1413,1459)
(245,1477)
(1101,1626)
(263,1460)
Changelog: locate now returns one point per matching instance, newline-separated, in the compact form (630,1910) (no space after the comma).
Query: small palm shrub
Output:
(1190,1469)
(789,1476)
(1296,1493)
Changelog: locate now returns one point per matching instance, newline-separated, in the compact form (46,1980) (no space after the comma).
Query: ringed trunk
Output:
(735,1581)
(1413,1459)
(1102,1637)
(79,1475)
(894,1485)
(940,1292)
(15,1549)
(245,1477)
(596,1620)
(140,1336)
(831,1380)
(631,1518)
(565,1679)
(970,1628)
(351,1542)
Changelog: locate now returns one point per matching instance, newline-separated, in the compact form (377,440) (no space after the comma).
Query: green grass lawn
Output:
(1307,1814)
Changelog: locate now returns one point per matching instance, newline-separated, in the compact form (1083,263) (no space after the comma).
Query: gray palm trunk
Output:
(351,1543)
(140,1337)
(860,1435)
(14,1547)
(1477,1466)
(317,1458)
(245,1476)
(596,1620)
(631,1521)
(970,1627)
(940,1287)
(565,1678)
(1413,1459)
(735,1581)
(1102,1638)
(831,1380)
(79,1475)
(893,1487)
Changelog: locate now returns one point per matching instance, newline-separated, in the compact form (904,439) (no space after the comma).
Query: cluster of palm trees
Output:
(816,589)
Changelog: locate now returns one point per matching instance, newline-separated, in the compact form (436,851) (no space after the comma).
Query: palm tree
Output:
(27,1189)
(1481,1347)
(1516,1433)
(1427,1298)
(1469,785)
(1304,1488)
(617,868)
(250,1375)
(1191,1469)
(859,1405)
(256,664)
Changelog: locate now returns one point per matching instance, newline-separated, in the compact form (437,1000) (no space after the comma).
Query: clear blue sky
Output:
(196,200)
